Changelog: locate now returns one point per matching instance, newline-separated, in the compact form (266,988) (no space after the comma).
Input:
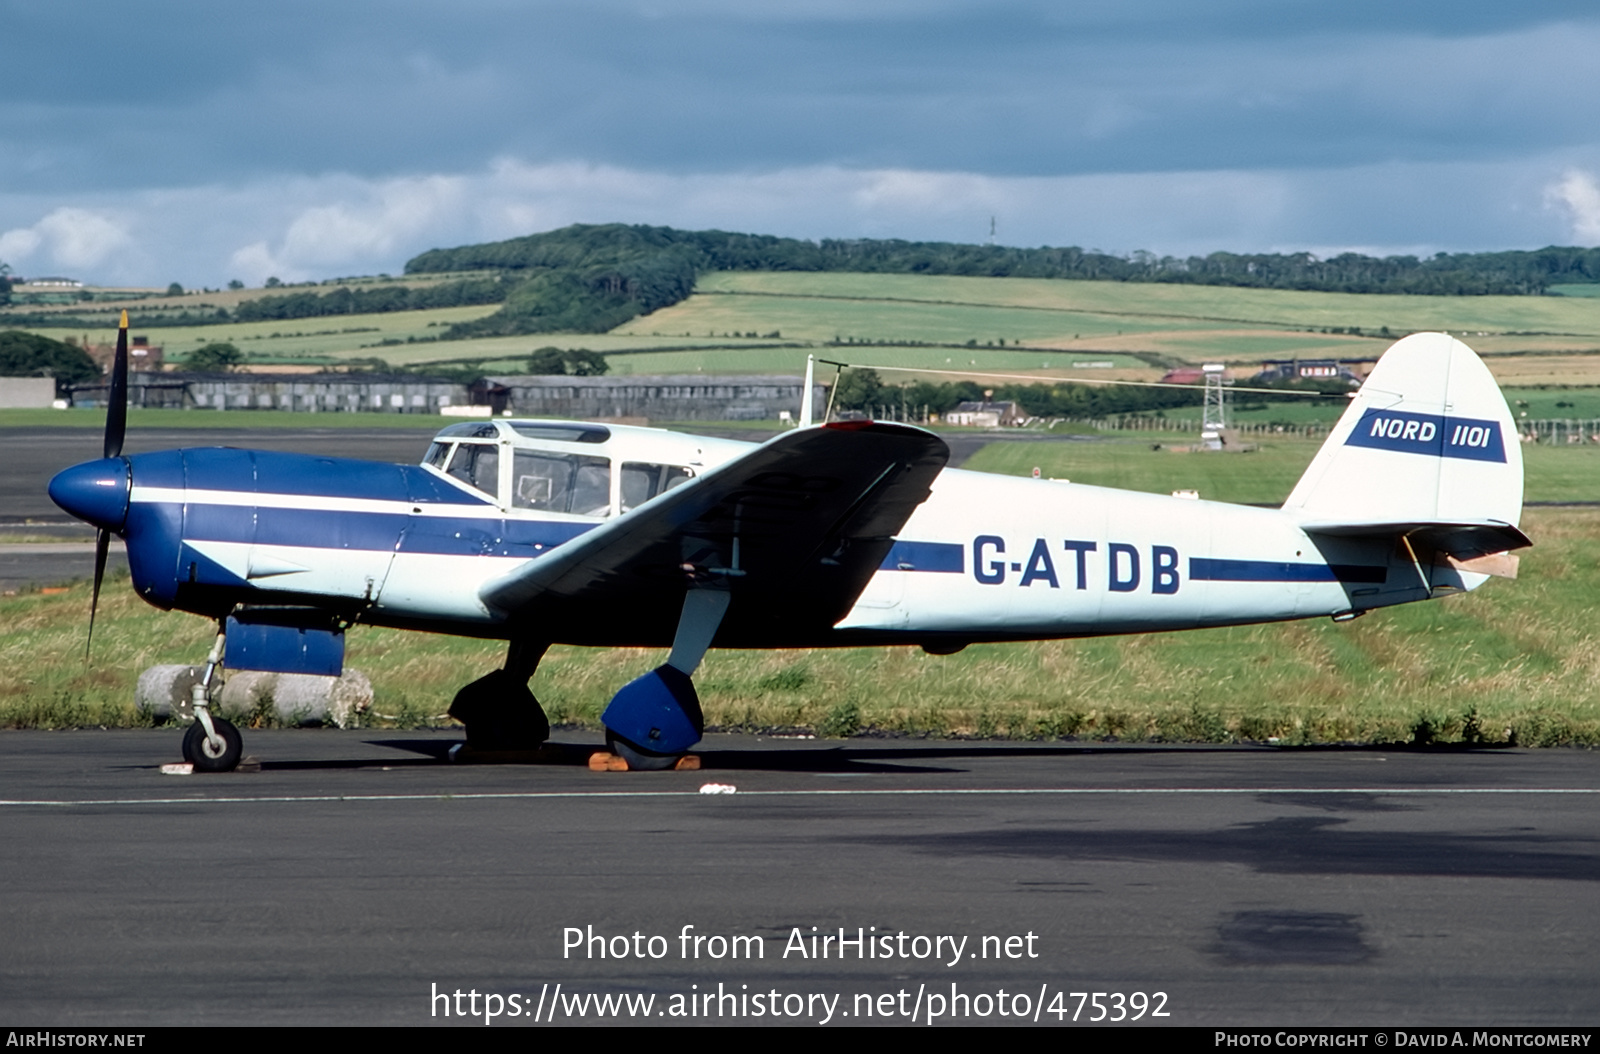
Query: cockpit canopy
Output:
(571,468)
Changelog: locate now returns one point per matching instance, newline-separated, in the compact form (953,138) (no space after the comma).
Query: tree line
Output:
(30,355)
(288,306)
(591,278)
(377,299)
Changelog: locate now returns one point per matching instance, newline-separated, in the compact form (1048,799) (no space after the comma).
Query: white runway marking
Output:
(842,793)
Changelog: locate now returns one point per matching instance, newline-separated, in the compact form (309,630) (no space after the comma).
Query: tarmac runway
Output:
(360,879)
(33,455)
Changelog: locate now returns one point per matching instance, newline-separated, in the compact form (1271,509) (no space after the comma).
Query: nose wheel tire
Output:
(638,759)
(202,753)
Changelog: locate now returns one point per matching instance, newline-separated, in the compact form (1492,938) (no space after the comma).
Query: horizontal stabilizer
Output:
(1464,541)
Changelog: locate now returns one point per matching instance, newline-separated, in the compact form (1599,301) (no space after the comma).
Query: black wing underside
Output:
(794,530)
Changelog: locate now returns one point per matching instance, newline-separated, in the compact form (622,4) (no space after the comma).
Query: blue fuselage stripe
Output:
(944,557)
(377,532)
(1211,569)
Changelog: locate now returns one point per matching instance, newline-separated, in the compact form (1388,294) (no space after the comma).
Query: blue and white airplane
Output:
(851,533)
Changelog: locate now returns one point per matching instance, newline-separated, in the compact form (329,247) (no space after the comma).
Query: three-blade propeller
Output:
(116,428)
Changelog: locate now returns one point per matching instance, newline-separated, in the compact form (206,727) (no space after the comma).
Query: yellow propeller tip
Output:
(124,324)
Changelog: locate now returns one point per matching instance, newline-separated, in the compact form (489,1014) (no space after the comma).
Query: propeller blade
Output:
(102,545)
(117,396)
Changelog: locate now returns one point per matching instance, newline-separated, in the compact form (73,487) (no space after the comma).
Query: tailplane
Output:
(1427,451)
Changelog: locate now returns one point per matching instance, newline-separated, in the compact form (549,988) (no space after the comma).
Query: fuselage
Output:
(984,558)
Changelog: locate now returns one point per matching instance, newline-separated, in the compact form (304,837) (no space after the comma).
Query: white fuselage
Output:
(985,557)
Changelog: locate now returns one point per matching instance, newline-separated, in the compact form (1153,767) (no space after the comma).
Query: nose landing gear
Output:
(499,710)
(211,744)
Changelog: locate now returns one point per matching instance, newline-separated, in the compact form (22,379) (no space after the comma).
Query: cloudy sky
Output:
(147,142)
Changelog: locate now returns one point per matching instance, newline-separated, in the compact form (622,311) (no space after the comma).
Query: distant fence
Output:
(1553,432)
(919,415)
(1561,432)
(1183,424)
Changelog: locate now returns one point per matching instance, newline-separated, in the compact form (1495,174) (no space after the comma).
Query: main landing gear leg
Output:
(499,710)
(211,744)
(655,718)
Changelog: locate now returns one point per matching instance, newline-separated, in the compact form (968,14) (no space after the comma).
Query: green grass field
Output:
(1198,322)
(1186,303)
(331,340)
(792,360)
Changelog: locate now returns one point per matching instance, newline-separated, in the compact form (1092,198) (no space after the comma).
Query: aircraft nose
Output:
(95,492)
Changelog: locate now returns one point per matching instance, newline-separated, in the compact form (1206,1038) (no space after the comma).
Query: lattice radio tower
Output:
(1214,415)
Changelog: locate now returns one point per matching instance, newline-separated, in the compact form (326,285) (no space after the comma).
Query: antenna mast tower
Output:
(1214,415)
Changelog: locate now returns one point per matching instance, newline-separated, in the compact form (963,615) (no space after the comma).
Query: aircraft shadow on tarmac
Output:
(1284,845)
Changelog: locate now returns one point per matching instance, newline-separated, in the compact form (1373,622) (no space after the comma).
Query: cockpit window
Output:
(478,466)
(561,483)
(642,481)
(591,487)
(438,453)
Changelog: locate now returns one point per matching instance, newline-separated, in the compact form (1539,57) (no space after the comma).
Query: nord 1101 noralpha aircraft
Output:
(852,533)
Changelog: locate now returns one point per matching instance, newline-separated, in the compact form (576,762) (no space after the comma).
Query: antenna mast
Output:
(1214,415)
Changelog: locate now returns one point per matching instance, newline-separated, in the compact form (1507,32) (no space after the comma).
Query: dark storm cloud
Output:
(204,141)
(103,94)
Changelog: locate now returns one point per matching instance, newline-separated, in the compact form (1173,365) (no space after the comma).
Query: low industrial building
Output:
(300,392)
(686,398)
(1308,370)
(142,355)
(986,415)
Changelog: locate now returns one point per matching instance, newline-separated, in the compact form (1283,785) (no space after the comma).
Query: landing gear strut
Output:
(211,744)
(499,710)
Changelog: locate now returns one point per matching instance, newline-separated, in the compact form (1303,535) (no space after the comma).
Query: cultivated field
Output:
(1193,322)
(1065,328)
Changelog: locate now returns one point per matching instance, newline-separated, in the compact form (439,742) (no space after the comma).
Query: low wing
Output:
(793,530)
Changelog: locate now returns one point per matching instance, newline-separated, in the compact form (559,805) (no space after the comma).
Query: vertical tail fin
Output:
(1427,442)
